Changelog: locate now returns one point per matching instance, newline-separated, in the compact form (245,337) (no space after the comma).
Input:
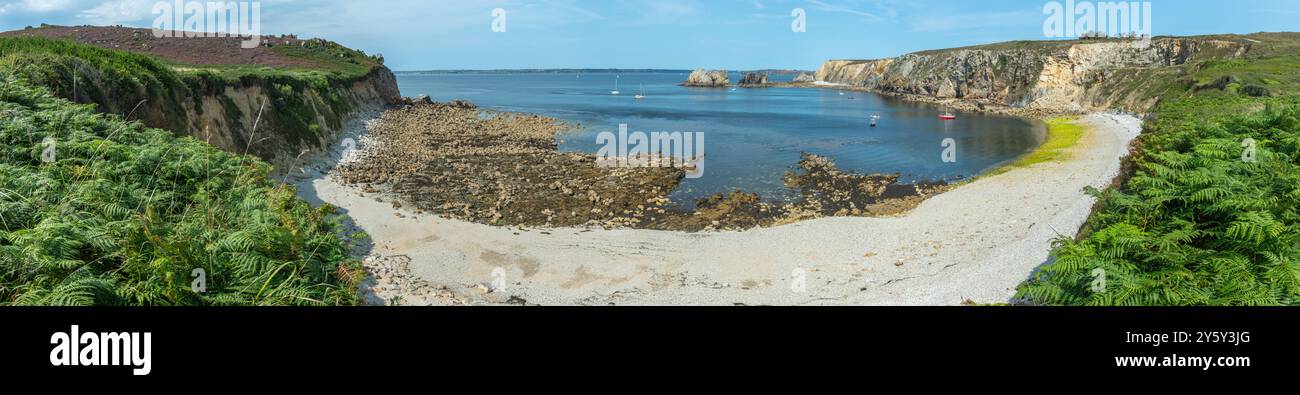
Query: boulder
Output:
(461,104)
(421,99)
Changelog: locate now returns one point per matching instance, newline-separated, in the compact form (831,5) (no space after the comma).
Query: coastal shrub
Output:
(1210,217)
(1255,91)
(95,210)
(114,80)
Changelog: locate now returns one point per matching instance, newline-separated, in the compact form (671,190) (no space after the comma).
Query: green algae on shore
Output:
(1063,133)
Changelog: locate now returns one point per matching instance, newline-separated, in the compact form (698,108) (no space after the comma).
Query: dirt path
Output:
(977,242)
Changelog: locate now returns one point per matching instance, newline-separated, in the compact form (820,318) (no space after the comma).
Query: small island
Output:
(754,80)
(701,78)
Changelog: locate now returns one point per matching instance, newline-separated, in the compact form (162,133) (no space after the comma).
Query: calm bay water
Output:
(752,137)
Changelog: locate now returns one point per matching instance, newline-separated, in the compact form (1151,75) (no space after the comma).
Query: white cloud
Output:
(46,5)
(35,6)
(823,6)
(114,12)
(968,22)
(655,12)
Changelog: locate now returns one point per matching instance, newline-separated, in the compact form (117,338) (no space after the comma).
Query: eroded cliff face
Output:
(291,115)
(298,92)
(295,118)
(1035,75)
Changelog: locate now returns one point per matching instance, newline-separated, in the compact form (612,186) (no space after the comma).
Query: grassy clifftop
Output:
(303,90)
(285,54)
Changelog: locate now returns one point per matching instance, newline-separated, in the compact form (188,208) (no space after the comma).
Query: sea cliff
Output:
(277,101)
(1054,76)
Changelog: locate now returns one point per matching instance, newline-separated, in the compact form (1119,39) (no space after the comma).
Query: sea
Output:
(752,137)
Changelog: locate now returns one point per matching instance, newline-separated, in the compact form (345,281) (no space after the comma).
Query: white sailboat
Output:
(641,95)
(615,91)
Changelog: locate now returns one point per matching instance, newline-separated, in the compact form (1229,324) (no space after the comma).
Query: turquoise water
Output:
(752,136)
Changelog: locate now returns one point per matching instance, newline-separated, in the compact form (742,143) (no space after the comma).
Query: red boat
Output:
(948,117)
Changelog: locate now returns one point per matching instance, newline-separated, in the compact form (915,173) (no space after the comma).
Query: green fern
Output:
(1195,225)
(126,213)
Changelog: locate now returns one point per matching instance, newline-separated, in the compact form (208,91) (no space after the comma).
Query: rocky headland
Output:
(1034,78)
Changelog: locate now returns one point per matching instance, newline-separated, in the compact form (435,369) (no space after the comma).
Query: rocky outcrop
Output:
(708,79)
(805,78)
(754,80)
(1056,76)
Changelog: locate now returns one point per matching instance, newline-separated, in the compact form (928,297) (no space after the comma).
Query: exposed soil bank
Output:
(497,168)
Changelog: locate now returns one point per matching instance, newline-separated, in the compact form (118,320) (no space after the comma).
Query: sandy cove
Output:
(974,243)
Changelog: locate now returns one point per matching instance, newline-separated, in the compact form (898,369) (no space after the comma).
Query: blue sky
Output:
(679,34)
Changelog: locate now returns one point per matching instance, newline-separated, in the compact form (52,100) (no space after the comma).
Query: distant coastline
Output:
(577,71)
(542,71)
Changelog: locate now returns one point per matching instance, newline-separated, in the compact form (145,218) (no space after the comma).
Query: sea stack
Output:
(805,78)
(708,79)
(754,80)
